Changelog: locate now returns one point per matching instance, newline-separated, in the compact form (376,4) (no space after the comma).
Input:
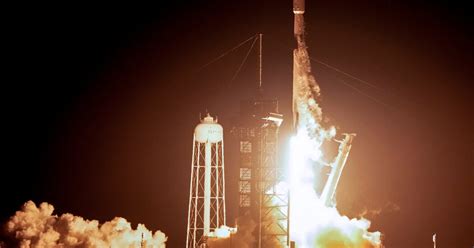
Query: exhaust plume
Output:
(313,222)
(243,238)
(37,227)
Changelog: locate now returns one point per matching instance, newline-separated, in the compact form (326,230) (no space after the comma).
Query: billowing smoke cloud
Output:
(320,226)
(313,224)
(243,238)
(388,208)
(37,227)
(306,96)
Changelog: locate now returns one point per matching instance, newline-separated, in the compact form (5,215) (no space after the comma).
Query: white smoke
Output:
(37,227)
(243,238)
(313,223)
(317,225)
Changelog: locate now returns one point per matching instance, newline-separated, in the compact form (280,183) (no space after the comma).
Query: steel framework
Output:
(274,200)
(260,191)
(207,186)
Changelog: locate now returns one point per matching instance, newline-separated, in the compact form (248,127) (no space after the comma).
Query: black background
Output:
(100,103)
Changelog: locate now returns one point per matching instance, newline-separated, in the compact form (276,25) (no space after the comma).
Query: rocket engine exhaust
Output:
(314,219)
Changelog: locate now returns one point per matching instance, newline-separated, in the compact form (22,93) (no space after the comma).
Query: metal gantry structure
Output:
(274,203)
(260,193)
(207,186)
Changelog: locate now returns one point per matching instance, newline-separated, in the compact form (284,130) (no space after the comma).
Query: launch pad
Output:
(283,202)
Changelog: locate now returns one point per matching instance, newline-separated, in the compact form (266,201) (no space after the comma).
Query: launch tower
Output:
(260,196)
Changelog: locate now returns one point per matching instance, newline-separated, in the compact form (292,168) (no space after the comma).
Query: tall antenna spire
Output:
(260,62)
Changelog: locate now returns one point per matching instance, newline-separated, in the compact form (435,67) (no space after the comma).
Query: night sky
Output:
(100,103)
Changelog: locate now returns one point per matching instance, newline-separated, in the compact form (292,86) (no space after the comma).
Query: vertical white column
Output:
(329,190)
(223,181)
(191,200)
(217,179)
(196,195)
(207,188)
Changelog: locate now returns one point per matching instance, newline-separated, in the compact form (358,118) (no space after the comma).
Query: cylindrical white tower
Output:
(207,187)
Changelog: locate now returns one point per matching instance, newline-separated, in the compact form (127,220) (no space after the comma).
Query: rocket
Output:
(298,11)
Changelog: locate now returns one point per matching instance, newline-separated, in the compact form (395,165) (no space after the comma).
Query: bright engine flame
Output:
(312,223)
(223,232)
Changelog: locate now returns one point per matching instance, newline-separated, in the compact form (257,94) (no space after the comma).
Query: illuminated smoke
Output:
(37,227)
(307,93)
(388,208)
(223,232)
(243,238)
(313,224)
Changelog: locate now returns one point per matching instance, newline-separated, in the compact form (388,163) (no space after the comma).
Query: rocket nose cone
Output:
(298,6)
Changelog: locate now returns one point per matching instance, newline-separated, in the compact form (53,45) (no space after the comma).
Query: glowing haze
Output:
(312,223)
(37,227)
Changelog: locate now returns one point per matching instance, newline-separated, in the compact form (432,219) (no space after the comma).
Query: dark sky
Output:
(101,102)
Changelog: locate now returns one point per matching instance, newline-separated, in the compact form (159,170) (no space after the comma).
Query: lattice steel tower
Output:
(207,187)
(261,196)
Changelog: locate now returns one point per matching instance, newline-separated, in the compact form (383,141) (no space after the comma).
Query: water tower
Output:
(207,187)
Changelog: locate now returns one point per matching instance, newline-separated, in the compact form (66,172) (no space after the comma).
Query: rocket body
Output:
(298,11)
(298,6)
(295,88)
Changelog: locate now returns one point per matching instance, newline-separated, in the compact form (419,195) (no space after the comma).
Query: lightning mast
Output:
(260,197)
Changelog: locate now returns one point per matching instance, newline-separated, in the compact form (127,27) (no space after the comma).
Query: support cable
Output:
(243,61)
(347,74)
(365,94)
(351,77)
(225,53)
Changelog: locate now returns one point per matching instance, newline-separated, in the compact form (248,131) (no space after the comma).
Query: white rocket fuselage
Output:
(298,11)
